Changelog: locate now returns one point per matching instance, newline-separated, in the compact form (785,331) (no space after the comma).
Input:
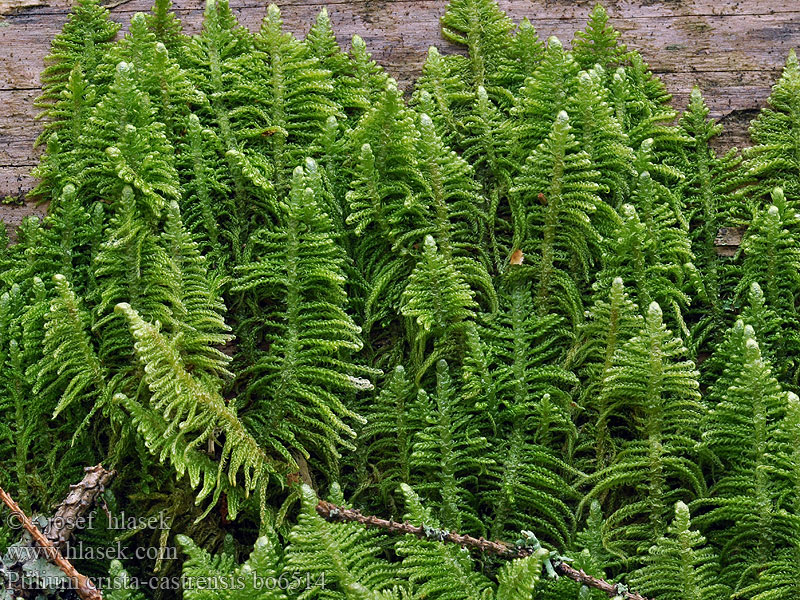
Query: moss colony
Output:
(495,307)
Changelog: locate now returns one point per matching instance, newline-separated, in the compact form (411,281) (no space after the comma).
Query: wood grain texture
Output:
(729,239)
(732,49)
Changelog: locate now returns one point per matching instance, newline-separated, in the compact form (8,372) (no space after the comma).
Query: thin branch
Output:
(332,512)
(78,501)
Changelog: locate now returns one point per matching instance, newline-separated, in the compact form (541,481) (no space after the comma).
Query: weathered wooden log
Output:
(728,240)
(733,49)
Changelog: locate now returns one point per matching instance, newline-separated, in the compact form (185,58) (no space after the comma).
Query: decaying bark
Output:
(60,527)
(332,512)
(728,240)
(80,499)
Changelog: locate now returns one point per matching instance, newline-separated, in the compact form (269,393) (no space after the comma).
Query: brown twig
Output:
(332,512)
(61,526)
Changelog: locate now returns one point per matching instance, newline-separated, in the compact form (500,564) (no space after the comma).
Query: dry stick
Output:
(83,585)
(332,512)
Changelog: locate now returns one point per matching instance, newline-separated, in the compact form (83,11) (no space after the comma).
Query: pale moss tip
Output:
(554,42)
(59,278)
